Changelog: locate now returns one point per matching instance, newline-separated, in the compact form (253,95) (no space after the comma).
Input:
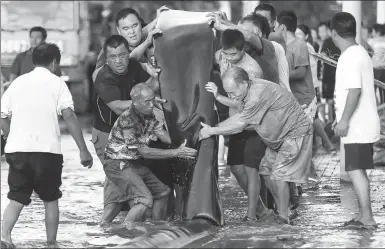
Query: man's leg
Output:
(359,158)
(51,220)
(158,190)
(10,217)
(111,210)
(240,174)
(20,189)
(253,190)
(319,130)
(136,213)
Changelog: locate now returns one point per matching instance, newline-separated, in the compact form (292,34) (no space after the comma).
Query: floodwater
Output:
(321,212)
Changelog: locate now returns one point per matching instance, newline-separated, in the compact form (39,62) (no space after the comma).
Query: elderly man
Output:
(280,121)
(126,154)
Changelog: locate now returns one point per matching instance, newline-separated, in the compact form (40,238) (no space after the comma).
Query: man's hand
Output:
(186,152)
(211,87)
(160,10)
(217,20)
(342,128)
(152,35)
(204,132)
(85,158)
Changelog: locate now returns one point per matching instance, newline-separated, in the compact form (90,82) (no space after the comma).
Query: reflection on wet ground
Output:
(317,226)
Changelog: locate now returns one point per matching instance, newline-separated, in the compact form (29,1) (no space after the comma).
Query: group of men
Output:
(271,98)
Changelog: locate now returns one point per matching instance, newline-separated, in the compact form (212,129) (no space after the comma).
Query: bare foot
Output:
(6,241)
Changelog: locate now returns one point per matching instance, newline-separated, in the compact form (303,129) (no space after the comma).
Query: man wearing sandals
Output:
(357,120)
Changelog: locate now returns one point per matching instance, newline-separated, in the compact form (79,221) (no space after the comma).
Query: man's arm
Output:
(154,153)
(74,128)
(119,106)
(5,125)
(230,126)
(164,136)
(351,104)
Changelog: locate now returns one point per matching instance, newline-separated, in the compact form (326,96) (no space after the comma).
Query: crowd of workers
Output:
(279,100)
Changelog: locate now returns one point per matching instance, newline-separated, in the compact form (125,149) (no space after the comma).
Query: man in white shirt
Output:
(33,102)
(357,120)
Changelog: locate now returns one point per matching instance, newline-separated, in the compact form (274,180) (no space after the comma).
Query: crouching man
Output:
(126,154)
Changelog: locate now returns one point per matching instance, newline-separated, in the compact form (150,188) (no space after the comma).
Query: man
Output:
(280,121)
(232,55)
(260,49)
(23,62)
(246,148)
(378,44)
(130,25)
(268,11)
(113,84)
(297,55)
(328,72)
(357,120)
(29,117)
(126,154)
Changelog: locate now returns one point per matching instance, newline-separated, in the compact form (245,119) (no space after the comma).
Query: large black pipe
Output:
(185,54)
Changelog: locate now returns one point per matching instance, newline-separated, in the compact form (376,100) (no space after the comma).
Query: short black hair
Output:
(379,28)
(324,23)
(232,38)
(266,7)
(42,30)
(123,13)
(344,24)
(115,41)
(46,53)
(307,31)
(258,20)
(289,19)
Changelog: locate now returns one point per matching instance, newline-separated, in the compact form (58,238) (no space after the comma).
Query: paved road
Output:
(81,206)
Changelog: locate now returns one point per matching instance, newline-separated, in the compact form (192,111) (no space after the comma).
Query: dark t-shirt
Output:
(23,64)
(267,59)
(333,52)
(110,87)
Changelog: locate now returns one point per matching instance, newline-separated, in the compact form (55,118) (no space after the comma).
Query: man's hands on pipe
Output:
(205,132)
(186,152)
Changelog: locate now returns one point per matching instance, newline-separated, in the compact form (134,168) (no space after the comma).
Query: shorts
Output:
(291,163)
(34,171)
(358,156)
(328,90)
(246,148)
(135,183)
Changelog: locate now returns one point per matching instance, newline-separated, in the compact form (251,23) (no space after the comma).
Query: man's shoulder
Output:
(105,75)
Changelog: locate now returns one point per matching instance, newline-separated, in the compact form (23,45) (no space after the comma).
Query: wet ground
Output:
(321,212)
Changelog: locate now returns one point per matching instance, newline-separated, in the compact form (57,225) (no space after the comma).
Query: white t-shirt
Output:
(355,70)
(34,102)
(283,66)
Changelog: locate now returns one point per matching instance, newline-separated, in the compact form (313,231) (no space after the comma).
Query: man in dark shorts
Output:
(357,120)
(126,154)
(23,62)
(281,123)
(113,84)
(34,102)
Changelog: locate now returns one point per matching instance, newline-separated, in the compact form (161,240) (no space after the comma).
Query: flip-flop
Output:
(282,220)
(359,225)
(5,244)
(247,218)
(347,223)
(294,214)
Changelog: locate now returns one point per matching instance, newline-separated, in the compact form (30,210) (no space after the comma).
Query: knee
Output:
(237,169)
(147,201)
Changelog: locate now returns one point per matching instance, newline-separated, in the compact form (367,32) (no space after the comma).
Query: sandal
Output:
(282,220)
(247,218)
(359,225)
(347,223)
(5,244)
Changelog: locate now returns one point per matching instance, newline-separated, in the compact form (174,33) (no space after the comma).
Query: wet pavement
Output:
(320,214)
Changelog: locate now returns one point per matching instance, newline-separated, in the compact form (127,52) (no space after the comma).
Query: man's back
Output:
(33,102)
(275,113)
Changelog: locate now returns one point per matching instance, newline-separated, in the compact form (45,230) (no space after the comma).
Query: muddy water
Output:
(321,213)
